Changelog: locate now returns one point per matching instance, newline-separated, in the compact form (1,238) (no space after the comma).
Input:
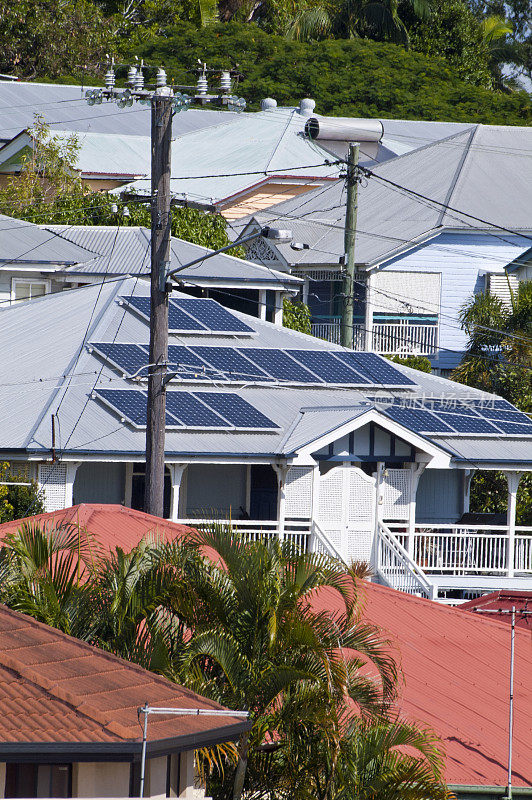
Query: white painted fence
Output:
(395,568)
(388,338)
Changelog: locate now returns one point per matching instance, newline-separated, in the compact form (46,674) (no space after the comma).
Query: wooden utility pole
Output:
(347,328)
(161,139)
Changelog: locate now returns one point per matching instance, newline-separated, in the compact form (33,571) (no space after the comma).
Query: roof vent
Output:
(306,107)
(268,104)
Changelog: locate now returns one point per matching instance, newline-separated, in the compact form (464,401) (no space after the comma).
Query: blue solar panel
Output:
(327,367)
(231,363)
(280,366)
(417,419)
(130,358)
(191,412)
(467,424)
(212,315)
(451,406)
(237,411)
(514,427)
(178,321)
(375,369)
(129,403)
(187,364)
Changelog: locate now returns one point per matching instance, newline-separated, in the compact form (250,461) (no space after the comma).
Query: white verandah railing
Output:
(468,550)
(391,338)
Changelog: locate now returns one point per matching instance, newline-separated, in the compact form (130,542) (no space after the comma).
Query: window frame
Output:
(17,281)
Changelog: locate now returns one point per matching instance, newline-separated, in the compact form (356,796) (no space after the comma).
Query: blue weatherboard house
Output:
(419,257)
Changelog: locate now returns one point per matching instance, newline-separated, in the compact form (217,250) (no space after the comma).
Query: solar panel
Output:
(212,315)
(326,366)
(231,363)
(280,366)
(178,320)
(191,412)
(188,365)
(130,358)
(375,369)
(417,419)
(514,427)
(129,403)
(467,424)
(236,410)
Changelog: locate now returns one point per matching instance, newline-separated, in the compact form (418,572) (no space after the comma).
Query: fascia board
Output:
(439,458)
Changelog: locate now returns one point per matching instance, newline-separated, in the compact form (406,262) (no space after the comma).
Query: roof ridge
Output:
(77,703)
(457,176)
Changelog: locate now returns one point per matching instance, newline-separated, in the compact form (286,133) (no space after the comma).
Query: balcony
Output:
(388,338)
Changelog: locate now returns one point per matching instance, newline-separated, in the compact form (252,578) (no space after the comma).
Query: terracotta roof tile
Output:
(54,688)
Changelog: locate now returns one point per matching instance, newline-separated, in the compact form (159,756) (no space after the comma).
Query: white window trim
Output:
(16,281)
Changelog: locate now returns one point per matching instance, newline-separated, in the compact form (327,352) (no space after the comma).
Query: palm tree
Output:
(43,573)
(258,640)
(375,19)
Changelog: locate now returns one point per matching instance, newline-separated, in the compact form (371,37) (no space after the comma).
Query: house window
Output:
(38,780)
(25,289)
(138,482)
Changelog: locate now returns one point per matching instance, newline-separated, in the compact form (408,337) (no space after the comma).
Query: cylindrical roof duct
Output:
(344,129)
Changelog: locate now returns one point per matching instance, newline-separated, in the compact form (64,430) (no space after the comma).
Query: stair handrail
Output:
(319,534)
(388,539)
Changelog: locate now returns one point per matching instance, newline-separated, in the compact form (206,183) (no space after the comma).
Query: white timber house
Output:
(273,430)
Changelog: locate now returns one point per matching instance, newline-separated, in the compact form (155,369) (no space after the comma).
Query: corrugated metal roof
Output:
(481,172)
(24,242)
(456,681)
(126,251)
(54,330)
(64,107)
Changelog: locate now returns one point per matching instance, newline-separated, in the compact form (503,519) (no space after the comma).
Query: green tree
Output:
(49,190)
(46,38)
(422,363)
(296,316)
(20,499)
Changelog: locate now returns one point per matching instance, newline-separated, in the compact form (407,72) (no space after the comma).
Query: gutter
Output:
(497,791)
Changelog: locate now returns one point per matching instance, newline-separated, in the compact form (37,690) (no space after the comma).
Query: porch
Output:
(404,337)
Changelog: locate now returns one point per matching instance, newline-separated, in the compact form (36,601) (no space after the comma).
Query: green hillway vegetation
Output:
(243,628)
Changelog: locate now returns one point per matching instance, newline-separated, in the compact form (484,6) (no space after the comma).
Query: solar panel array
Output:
(190,410)
(193,315)
(452,416)
(264,365)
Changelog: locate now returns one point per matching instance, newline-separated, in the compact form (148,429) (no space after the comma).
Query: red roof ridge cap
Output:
(30,675)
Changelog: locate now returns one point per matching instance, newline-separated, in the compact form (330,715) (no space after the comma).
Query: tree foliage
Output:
(346,76)
(17,501)
(242,628)
(296,316)
(48,191)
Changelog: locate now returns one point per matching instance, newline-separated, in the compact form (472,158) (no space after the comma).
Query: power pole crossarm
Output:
(347,327)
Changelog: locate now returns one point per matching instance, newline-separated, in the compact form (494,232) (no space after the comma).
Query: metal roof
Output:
(485,172)
(43,341)
(24,242)
(64,107)
(126,251)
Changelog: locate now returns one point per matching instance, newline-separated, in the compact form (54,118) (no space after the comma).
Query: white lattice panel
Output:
(52,483)
(359,544)
(421,288)
(361,499)
(396,487)
(331,497)
(298,492)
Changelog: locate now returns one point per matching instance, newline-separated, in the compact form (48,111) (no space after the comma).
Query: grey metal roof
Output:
(126,251)
(485,171)
(64,107)
(24,242)
(49,369)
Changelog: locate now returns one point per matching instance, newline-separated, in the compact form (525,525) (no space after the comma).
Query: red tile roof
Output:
(54,688)
(455,664)
(457,681)
(502,601)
